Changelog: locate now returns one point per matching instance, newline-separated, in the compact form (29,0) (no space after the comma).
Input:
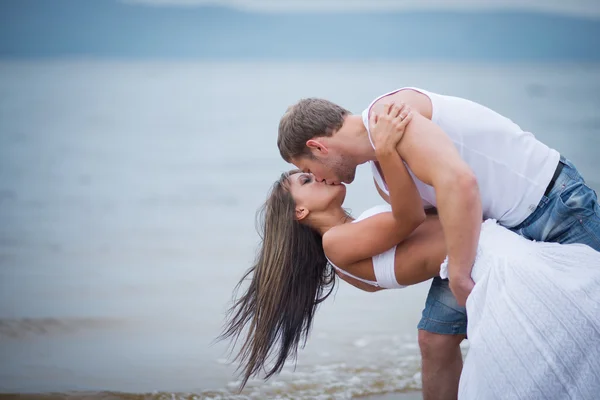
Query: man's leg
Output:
(441,364)
(441,329)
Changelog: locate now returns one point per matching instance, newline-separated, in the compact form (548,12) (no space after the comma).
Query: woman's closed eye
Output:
(306,179)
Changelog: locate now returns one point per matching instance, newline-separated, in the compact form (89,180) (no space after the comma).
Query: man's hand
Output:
(388,127)
(435,160)
(461,287)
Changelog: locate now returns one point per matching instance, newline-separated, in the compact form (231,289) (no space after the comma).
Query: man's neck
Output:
(362,150)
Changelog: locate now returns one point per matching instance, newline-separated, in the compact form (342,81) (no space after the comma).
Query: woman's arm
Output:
(387,131)
(349,243)
(381,192)
(417,259)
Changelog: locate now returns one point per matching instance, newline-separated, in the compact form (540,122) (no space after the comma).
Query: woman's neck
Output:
(327,220)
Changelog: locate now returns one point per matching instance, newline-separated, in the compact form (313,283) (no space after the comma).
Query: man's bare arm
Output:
(433,158)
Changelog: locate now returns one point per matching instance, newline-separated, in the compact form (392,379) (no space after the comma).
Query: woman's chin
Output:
(341,189)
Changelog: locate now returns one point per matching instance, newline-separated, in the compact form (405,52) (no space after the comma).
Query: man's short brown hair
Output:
(305,120)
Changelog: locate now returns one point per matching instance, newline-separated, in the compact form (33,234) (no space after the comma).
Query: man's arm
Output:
(433,158)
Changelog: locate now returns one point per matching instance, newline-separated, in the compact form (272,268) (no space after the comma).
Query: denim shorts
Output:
(569,214)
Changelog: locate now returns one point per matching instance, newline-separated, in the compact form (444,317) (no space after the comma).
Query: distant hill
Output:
(108,28)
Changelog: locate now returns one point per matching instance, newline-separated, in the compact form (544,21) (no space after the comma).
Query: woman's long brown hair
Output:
(289,279)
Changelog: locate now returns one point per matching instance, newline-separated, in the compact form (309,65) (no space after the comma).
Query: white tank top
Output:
(383,264)
(512,167)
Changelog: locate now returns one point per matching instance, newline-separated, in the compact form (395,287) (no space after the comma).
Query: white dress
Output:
(534,320)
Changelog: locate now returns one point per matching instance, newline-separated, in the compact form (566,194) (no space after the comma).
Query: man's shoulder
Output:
(416,99)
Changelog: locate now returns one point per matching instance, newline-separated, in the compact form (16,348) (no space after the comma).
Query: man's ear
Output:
(301,213)
(317,146)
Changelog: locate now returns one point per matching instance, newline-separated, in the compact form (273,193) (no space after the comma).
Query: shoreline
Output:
(395,395)
(413,395)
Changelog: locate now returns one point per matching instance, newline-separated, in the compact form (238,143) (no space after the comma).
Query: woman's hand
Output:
(387,128)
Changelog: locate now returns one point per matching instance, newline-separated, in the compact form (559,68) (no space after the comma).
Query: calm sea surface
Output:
(128,194)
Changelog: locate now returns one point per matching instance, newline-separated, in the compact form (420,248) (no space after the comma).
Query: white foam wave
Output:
(381,364)
(329,381)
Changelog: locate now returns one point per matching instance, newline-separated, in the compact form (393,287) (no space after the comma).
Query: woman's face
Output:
(314,196)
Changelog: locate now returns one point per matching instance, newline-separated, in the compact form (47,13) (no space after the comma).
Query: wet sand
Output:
(398,395)
(49,396)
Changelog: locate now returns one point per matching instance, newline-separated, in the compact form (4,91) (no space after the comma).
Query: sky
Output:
(587,8)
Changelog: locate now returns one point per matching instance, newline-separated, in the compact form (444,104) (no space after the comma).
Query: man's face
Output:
(333,168)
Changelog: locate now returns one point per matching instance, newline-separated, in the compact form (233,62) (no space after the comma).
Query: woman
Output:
(534,314)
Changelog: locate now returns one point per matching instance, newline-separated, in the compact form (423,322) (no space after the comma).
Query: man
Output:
(470,163)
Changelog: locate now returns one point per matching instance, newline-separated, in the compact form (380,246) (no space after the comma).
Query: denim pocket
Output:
(578,200)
